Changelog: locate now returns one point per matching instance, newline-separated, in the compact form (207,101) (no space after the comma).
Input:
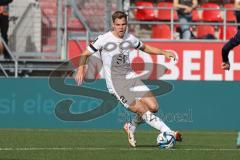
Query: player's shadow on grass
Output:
(147,146)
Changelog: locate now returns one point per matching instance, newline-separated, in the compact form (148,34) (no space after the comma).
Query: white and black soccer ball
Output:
(166,140)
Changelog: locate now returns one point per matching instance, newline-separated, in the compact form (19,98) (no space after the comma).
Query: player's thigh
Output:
(150,101)
(138,107)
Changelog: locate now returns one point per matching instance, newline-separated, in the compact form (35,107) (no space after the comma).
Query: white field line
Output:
(115,149)
(108,131)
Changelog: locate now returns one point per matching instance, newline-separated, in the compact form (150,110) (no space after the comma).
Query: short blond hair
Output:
(119,15)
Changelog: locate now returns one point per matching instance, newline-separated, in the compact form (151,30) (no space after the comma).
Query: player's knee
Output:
(138,108)
(153,107)
(141,108)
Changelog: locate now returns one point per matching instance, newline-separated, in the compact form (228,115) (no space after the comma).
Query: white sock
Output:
(137,120)
(155,122)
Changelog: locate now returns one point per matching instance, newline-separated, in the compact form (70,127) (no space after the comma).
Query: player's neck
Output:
(116,35)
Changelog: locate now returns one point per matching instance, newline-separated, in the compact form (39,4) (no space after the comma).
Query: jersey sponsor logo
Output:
(125,45)
(122,59)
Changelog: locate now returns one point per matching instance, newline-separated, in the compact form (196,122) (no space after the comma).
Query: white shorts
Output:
(130,91)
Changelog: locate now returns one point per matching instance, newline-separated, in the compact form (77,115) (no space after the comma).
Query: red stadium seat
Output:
(204,30)
(143,13)
(161,31)
(230,13)
(165,14)
(211,15)
(230,32)
(195,16)
(75,25)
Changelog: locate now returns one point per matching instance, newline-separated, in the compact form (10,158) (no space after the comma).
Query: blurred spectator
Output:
(184,11)
(5,2)
(233,42)
(237,12)
(4,25)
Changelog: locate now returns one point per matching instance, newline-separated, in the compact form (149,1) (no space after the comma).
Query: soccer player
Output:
(233,42)
(114,47)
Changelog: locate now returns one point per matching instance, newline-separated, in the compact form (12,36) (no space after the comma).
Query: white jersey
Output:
(111,46)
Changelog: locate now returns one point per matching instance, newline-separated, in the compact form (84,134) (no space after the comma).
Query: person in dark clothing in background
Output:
(5,2)
(184,11)
(233,42)
(4,25)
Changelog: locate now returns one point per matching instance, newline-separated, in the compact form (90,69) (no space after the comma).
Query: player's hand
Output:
(79,76)
(170,55)
(225,65)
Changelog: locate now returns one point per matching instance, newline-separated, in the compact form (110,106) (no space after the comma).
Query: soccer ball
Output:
(166,140)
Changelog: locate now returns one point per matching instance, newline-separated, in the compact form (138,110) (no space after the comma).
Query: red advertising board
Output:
(196,61)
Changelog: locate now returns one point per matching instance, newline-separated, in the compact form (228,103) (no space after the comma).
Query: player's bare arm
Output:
(157,51)
(80,71)
(237,4)
(225,60)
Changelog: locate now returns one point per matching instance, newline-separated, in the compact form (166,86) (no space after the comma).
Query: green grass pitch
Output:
(77,144)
